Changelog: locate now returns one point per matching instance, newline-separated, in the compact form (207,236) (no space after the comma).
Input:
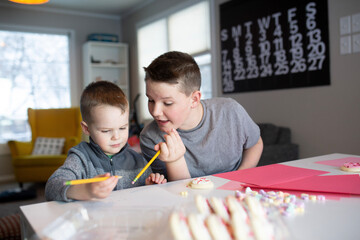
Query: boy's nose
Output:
(156,111)
(116,134)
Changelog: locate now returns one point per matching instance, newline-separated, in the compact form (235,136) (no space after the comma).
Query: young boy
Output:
(105,113)
(218,134)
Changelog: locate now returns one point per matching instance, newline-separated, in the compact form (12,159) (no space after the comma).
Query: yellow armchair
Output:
(50,123)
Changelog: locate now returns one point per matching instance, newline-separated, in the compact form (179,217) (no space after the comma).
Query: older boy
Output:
(218,134)
(105,113)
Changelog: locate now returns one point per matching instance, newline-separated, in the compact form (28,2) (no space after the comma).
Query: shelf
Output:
(106,61)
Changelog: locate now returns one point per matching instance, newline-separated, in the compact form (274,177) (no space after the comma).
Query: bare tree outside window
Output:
(34,72)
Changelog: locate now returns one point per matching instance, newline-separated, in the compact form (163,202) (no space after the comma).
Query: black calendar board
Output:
(274,44)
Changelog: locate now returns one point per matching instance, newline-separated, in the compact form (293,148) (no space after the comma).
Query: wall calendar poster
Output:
(274,44)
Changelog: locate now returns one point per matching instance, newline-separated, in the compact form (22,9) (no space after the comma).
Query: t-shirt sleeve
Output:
(249,127)
(240,121)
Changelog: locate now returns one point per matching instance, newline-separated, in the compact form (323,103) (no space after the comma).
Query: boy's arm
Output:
(55,190)
(74,168)
(172,153)
(177,170)
(78,192)
(251,156)
(90,191)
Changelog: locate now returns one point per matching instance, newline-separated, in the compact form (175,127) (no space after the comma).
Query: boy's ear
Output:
(85,128)
(195,97)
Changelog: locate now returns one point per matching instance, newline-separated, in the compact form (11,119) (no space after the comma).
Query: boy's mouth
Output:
(115,145)
(162,122)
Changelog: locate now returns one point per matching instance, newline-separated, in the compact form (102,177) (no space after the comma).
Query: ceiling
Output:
(107,7)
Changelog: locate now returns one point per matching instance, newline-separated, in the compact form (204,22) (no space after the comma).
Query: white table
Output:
(142,212)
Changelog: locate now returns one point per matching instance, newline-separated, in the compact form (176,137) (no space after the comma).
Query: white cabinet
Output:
(106,61)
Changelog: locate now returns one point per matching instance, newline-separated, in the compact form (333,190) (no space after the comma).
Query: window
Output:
(187,30)
(204,62)
(34,72)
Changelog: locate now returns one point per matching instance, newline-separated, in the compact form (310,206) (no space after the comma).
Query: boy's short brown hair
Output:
(175,68)
(101,93)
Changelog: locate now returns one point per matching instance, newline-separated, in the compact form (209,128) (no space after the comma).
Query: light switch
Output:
(356,43)
(345,45)
(345,25)
(355,23)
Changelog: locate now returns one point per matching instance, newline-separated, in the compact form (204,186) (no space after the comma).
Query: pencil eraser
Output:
(132,182)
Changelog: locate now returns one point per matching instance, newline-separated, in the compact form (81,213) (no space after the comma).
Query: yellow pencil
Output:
(147,165)
(88,180)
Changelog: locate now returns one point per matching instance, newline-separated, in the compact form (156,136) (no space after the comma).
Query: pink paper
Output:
(232,186)
(347,184)
(339,162)
(270,174)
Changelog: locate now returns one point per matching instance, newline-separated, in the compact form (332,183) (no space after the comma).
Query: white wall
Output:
(79,24)
(323,119)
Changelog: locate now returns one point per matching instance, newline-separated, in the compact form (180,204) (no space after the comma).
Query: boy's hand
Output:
(172,152)
(172,149)
(104,188)
(155,178)
(94,190)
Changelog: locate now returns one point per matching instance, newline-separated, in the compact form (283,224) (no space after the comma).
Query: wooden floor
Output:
(13,207)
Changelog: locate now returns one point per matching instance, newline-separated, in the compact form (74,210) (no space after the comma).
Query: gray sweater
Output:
(87,160)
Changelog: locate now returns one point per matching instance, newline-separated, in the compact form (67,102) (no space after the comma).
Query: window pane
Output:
(152,42)
(189,29)
(204,62)
(34,72)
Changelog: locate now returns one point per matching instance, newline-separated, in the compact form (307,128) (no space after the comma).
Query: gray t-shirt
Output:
(215,145)
(87,160)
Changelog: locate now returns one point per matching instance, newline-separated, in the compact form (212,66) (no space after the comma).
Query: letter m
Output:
(236,31)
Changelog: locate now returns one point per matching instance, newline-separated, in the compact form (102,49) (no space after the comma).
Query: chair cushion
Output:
(278,153)
(269,133)
(39,160)
(48,146)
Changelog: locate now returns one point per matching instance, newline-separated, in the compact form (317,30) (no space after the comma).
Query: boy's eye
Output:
(168,103)
(105,131)
(123,128)
(150,101)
